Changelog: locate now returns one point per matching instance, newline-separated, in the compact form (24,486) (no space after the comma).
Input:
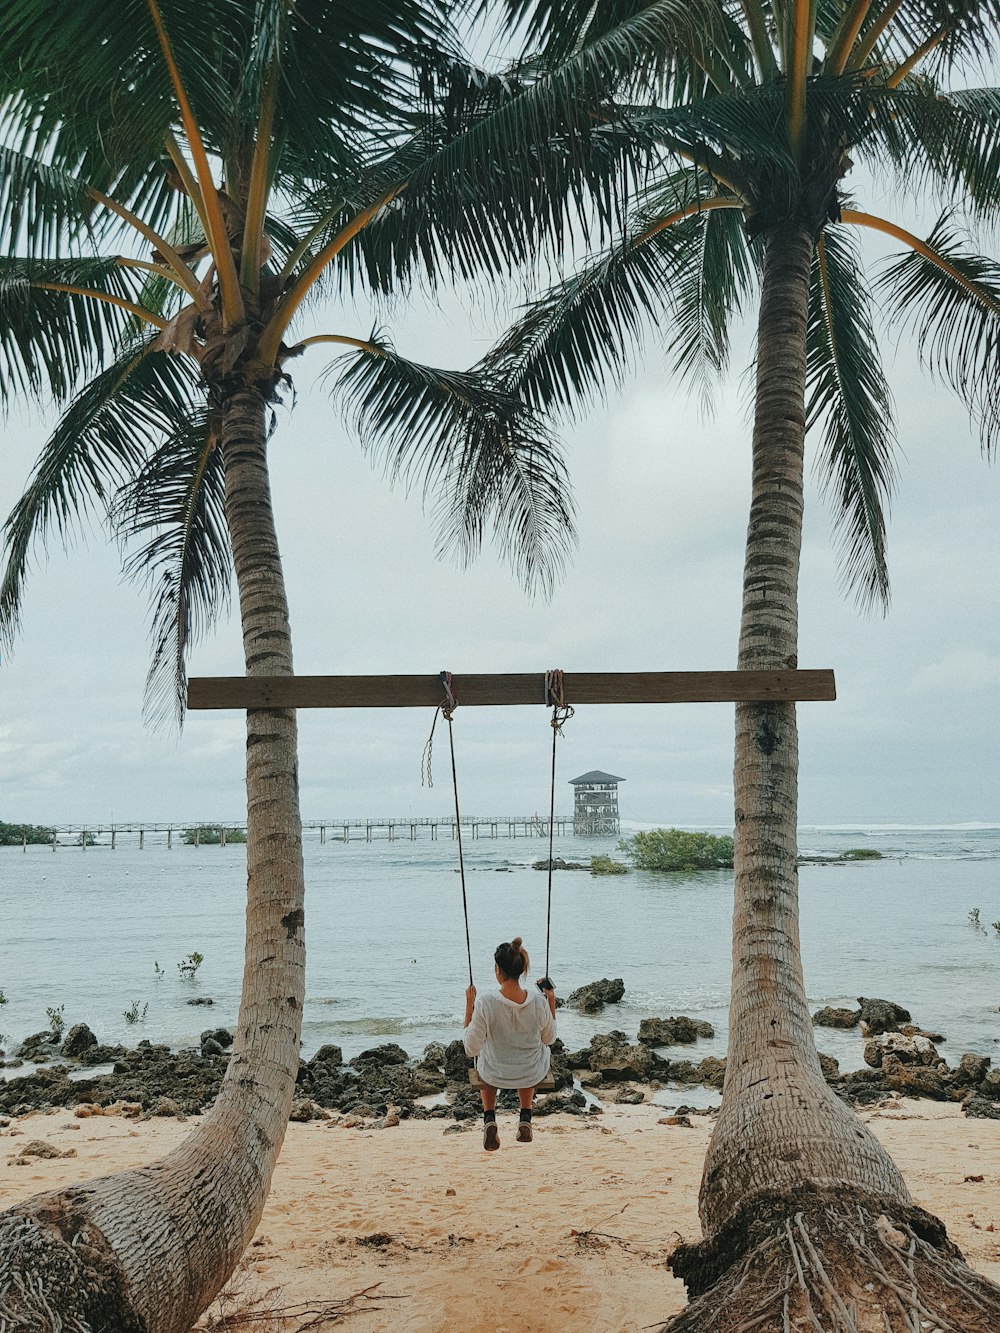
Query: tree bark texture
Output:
(780,1126)
(165,1238)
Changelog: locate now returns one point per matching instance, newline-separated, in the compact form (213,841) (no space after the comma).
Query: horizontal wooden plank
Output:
(595,687)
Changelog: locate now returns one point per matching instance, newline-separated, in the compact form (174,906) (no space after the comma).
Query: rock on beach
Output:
(673,1031)
(592,998)
(385,1080)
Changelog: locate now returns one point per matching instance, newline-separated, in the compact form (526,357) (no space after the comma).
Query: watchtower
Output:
(595,805)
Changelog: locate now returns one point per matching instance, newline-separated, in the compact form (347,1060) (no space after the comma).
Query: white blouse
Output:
(509,1040)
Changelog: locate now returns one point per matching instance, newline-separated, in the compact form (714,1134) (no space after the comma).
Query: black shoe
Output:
(491,1136)
(524,1132)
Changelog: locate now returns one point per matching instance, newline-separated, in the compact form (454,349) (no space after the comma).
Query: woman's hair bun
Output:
(512,958)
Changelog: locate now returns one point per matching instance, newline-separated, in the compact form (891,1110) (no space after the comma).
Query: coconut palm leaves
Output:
(219,167)
(758,124)
(459,438)
(950,297)
(133,448)
(850,404)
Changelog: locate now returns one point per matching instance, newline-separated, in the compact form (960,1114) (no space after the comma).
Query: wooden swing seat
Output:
(546,1085)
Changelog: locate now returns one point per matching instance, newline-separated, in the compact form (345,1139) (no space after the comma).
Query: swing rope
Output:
(447,709)
(561,713)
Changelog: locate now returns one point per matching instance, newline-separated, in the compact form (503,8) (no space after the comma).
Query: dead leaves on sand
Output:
(242,1307)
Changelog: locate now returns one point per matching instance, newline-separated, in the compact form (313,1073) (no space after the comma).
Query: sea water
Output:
(84,932)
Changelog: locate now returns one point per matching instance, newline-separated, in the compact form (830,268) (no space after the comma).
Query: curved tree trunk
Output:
(780,1124)
(145,1251)
(799,1202)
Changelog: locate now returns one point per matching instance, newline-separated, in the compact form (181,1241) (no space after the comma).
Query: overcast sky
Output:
(662,495)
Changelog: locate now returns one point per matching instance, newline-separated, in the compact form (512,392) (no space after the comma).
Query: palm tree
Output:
(178,186)
(761,111)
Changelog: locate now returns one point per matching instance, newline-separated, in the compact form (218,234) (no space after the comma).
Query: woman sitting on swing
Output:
(509,1034)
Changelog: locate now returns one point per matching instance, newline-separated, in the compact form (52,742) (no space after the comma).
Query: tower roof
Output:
(595,775)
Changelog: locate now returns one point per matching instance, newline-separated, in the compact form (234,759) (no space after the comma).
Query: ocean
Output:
(83,931)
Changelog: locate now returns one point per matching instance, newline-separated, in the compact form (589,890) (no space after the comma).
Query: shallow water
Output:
(386,943)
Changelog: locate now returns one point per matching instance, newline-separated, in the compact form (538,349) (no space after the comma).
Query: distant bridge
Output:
(218,833)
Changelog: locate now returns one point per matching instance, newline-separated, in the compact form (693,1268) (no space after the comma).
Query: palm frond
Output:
(948,142)
(473,448)
(560,29)
(570,155)
(850,403)
(347,77)
(110,132)
(950,298)
(40,207)
(583,333)
(102,439)
(51,338)
(952,34)
(707,295)
(176,505)
(975,145)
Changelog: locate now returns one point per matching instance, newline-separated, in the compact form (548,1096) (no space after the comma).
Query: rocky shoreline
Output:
(385,1084)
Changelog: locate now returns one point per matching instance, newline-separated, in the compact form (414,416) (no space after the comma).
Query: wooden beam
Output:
(594,687)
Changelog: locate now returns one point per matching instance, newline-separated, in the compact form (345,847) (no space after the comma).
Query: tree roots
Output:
(832,1264)
(58,1275)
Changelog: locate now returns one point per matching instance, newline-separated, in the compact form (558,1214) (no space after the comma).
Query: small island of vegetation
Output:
(607,865)
(16,835)
(212,835)
(677,850)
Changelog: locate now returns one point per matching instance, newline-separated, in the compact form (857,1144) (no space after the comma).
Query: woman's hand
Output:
(549,991)
(470,1000)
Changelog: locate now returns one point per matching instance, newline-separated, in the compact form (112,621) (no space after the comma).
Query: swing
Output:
(606,687)
(561,713)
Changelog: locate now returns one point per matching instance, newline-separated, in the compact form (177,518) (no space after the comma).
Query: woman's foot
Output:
(491,1136)
(524,1132)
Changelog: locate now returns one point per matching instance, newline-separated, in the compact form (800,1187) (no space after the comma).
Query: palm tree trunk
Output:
(780,1125)
(159,1242)
(807,1221)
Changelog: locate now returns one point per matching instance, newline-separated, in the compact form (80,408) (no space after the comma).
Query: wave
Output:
(861,826)
(389,1026)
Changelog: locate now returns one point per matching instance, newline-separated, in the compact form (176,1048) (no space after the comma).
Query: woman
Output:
(509,1034)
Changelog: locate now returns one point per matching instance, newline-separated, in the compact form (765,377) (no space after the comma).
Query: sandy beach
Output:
(414,1227)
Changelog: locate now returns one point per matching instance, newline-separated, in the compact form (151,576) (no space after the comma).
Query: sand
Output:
(419,1229)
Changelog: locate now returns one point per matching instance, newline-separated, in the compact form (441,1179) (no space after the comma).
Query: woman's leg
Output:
(525,1097)
(491,1135)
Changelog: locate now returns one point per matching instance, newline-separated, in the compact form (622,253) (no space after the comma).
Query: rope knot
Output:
(446,709)
(556,700)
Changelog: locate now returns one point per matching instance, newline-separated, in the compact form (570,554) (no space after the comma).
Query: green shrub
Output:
(210,835)
(13,835)
(606,865)
(861,854)
(675,849)
(188,966)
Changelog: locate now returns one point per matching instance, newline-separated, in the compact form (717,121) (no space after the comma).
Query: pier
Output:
(145,833)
